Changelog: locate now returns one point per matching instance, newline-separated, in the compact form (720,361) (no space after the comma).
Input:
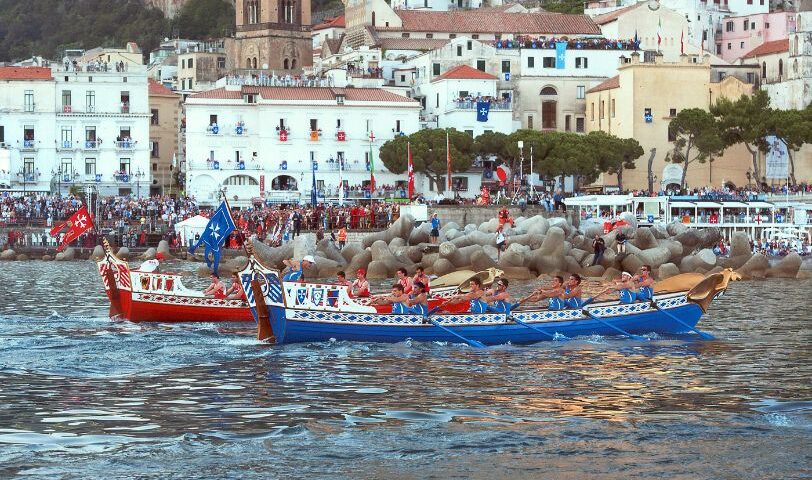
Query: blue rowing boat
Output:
(314,312)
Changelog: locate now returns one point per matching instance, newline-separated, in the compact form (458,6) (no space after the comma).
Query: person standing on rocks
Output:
(599,246)
(621,239)
(435,229)
(501,242)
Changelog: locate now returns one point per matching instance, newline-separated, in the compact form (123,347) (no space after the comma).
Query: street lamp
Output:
(21,173)
(58,173)
(520,143)
(138,174)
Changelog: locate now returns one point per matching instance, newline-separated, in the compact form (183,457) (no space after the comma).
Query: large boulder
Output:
(481,261)
(490,226)
(756,267)
(21,257)
(740,244)
(377,269)
(553,243)
(381,253)
(659,231)
(689,239)
(611,274)
(572,266)
(350,250)
(517,273)
(644,239)
(695,263)
(594,271)
(67,254)
(631,263)
(734,262)
(578,254)
(475,238)
(327,267)
(675,228)
(123,253)
(707,256)
(708,237)
(362,260)
(459,257)
(327,249)
(630,219)
(47,258)
(536,225)
(674,248)
(149,254)
(304,245)
(98,253)
(402,228)
(272,257)
(8,255)
(442,267)
(667,270)
(420,234)
(655,256)
(788,267)
(396,242)
(163,249)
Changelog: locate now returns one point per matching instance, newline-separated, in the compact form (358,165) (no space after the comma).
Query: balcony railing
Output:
(213,129)
(273,26)
(92,144)
(65,145)
(218,165)
(126,145)
(125,108)
(472,105)
(29,145)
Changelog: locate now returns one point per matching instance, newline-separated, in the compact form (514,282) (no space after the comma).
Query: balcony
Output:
(125,107)
(213,129)
(126,145)
(503,105)
(92,144)
(315,135)
(28,177)
(240,130)
(66,145)
(224,166)
(29,145)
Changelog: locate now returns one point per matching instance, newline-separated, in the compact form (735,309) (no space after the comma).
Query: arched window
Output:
(549,108)
(254,63)
(373,19)
(780,68)
(286,64)
(795,50)
(293,64)
(548,91)
(248,62)
(240,180)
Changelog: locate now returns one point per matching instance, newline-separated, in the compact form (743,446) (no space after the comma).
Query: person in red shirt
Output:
(404,280)
(360,287)
(420,276)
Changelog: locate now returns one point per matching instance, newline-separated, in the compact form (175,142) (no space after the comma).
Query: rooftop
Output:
(158,89)
(419,44)
(465,72)
(609,84)
(25,73)
(336,22)
(495,21)
(767,48)
(610,17)
(307,94)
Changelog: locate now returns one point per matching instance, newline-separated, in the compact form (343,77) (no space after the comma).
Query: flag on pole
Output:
(448,161)
(682,43)
(371,164)
(659,32)
(77,224)
(482,110)
(220,226)
(340,182)
(636,40)
(313,197)
(410,170)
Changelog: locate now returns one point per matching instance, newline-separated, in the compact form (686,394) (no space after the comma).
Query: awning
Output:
(760,205)
(734,204)
(681,205)
(707,204)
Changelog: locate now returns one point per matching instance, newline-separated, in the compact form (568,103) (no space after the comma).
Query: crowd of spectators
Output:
(527,41)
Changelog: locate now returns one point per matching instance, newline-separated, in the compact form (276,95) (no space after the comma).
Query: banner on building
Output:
(560,55)
(777,158)
(262,186)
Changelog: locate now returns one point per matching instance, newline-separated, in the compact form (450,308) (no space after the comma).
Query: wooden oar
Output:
(473,343)
(703,335)
(613,327)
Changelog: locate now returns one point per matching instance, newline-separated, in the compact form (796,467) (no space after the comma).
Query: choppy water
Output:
(83,397)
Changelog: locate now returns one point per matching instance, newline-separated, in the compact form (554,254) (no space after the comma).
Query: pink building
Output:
(742,34)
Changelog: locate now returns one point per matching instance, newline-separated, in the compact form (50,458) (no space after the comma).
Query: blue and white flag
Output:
(313,198)
(482,110)
(214,236)
(560,55)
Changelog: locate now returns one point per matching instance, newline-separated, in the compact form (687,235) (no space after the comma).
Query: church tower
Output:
(271,34)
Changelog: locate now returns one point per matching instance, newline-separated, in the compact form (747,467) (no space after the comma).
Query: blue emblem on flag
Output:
(482,110)
(560,55)
(214,236)
(301,294)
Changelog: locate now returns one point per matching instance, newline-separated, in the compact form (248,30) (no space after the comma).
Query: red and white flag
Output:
(659,32)
(410,170)
(77,224)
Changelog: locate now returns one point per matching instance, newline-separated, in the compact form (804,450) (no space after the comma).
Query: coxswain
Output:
(152,265)
(404,280)
(418,300)
(553,292)
(645,283)
(341,279)
(216,289)
(360,287)
(236,291)
(397,299)
(296,269)
(474,297)
(499,298)
(420,276)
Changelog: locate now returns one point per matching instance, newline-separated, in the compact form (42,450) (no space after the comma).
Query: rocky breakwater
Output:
(536,246)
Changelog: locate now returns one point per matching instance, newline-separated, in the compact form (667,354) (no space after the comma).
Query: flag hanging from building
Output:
(482,111)
(682,43)
(214,235)
(448,161)
(340,181)
(371,164)
(659,32)
(410,170)
(77,224)
(560,55)
(636,41)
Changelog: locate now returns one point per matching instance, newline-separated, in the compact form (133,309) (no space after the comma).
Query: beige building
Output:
(129,55)
(640,102)
(271,35)
(165,107)
(200,66)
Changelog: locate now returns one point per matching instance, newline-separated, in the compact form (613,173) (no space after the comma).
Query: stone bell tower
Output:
(271,34)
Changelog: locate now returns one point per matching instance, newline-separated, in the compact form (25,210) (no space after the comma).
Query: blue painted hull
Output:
(301,325)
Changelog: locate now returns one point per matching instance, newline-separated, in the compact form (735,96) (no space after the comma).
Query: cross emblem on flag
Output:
(371,137)
(81,221)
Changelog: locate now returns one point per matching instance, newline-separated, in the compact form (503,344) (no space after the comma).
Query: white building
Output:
(76,128)
(260,142)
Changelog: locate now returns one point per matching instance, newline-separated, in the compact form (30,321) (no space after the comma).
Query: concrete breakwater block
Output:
(8,254)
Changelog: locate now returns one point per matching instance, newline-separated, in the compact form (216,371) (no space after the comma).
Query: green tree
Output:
(745,121)
(202,19)
(613,154)
(698,138)
(794,127)
(429,153)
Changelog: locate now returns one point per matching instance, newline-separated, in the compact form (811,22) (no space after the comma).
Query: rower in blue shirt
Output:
(418,301)
(473,297)
(572,292)
(296,269)
(645,282)
(498,298)
(552,292)
(397,299)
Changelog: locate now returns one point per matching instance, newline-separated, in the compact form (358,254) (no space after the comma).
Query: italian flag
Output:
(659,32)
